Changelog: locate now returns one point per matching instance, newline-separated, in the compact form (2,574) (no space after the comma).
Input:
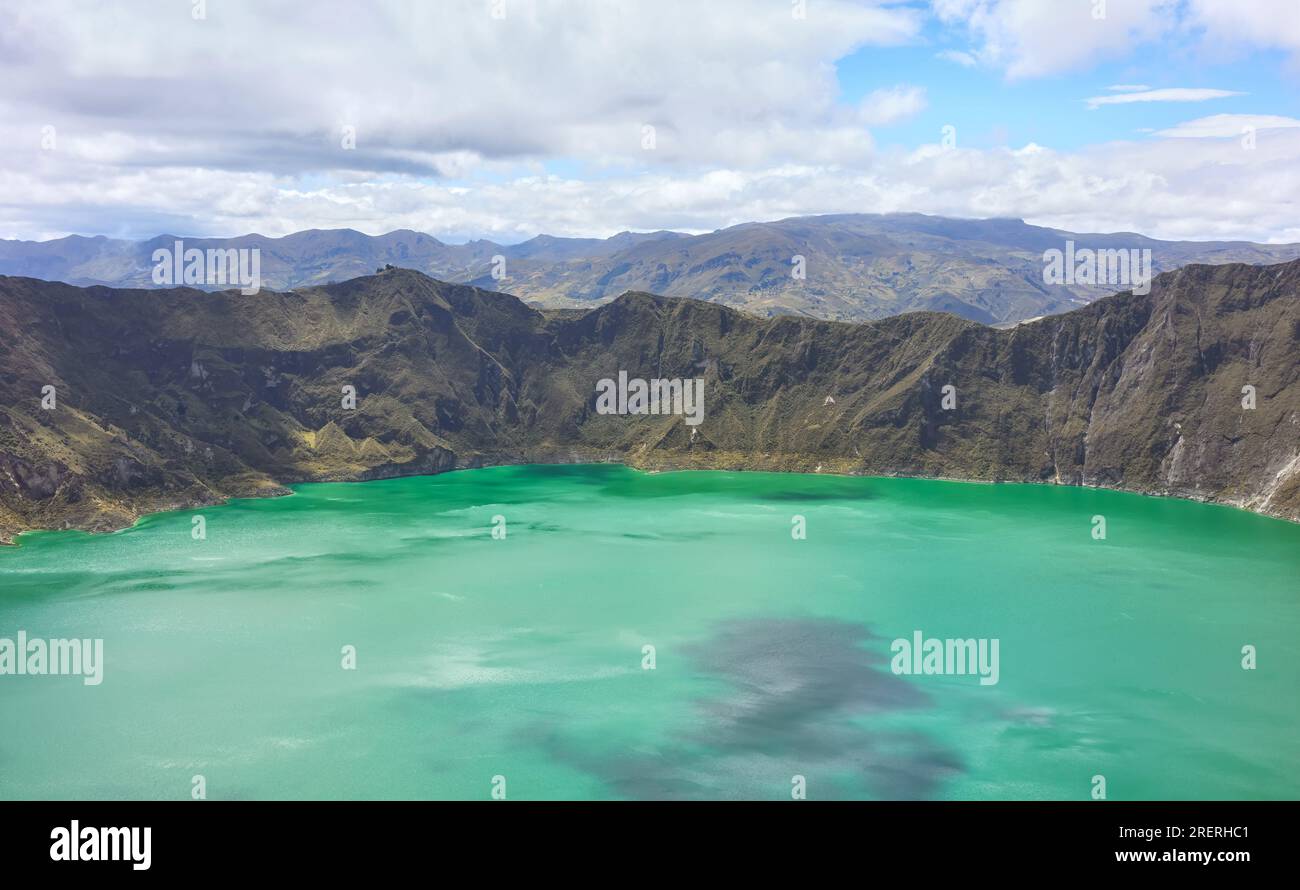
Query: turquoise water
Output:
(523,657)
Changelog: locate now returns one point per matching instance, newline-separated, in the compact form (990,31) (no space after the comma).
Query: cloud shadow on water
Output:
(800,697)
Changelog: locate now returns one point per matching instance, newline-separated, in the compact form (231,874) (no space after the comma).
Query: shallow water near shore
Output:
(524,657)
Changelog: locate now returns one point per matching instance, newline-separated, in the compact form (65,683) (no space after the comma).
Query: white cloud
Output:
(470,126)
(1128,88)
(1225,125)
(891,104)
(271,87)
(1033,38)
(1172,188)
(1273,24)
(965,59)
(1173,94)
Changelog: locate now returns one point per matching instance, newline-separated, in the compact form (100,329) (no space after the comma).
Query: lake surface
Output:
(524,657)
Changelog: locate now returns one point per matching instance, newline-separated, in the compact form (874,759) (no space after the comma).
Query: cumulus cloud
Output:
(416,87)
(1272,24)
(1170,188)
(1034,38)
(133,119)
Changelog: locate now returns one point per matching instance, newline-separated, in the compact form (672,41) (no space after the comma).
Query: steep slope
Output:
(858,266)
(175,397)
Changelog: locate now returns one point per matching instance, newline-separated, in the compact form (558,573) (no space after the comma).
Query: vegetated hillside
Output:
(181,397)
(858,266)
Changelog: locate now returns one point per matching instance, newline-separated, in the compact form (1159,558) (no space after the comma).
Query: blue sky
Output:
(138,117)
(994,111)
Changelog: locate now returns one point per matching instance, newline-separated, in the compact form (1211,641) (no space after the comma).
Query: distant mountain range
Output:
(858,267)
(176,397)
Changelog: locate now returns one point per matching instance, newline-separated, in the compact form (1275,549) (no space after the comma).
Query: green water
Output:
(522,657)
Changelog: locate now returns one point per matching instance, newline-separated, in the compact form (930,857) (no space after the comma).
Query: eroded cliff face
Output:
(170,398)
(1162,405)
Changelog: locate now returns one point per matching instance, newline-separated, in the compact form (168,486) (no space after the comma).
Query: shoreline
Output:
(12,539)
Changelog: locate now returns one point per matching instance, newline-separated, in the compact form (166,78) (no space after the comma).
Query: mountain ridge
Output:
(178,397)
(858,266)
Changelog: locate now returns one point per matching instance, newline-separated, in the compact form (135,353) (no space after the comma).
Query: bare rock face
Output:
(22,480)
(177,397)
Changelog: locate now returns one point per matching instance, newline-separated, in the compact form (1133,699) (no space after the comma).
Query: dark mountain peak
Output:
(640,297)
(410,235)
(336,235)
